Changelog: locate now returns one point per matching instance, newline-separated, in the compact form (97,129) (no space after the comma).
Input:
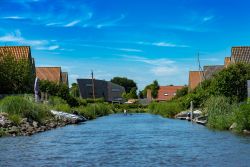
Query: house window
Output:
(174,94)
(165,94)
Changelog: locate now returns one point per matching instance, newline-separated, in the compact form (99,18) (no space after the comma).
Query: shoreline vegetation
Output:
(222,99)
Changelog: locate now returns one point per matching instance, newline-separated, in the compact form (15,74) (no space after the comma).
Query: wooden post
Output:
(93,84)
(191,110)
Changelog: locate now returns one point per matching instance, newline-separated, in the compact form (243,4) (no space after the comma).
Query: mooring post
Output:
(191,110)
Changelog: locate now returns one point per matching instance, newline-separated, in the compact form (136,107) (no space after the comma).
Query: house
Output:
(209,71)
(166,93)
(102,89)
(65,78)
(18,83)
(53,74)
(239,54)
(20,52)
(195,78)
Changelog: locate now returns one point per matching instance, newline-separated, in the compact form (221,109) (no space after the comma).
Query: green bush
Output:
(16,119)
(220,112)
(92,111)
(242,117)
(59,104)
(20,106)
(166,109)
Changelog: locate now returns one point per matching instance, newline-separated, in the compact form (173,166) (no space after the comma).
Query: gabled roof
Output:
(65,78)
(195,78)
(240,54)
(227,61)
(49,73)
(19,52)
(167,92)
(209,71)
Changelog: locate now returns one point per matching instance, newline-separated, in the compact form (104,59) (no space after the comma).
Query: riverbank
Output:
(28,127)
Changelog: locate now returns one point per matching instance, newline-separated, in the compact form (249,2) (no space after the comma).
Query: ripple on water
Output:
(133,140)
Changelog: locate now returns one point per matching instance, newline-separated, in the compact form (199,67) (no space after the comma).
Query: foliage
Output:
(74,90)
(220,112)
(231,82)
(128,84)
(60,90)
(16,119)
(141,95)
(135,108)
(131,95)
(97,100)
(16,76)
(154,87)
(92,111)
(20,106)
(242,117)
(165,109)
(59,104)
(181,92)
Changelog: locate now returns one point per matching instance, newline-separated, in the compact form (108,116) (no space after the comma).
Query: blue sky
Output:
(140,39)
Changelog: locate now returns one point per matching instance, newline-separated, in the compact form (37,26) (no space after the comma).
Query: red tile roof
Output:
(240,54)
(17,51)
(166,93)
(195,78)
(65,78)
(49,73)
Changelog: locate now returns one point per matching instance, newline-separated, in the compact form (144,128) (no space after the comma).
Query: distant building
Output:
(53,74)
(166,93)
(239,54)
(65,78)
(103,89)
(195,78)
(209,71)
(20,52)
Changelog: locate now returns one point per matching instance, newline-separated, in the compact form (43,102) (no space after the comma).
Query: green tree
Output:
(131,95)
(128,84)
(74,90)
(16,75)
(154,87)
(182,92)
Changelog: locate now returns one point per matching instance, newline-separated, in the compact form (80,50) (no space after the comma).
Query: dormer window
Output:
(165,94)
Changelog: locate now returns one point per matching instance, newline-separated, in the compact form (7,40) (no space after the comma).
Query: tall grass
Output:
(22,107)
(58,104)
(242,117)
(92,111)
(165,109)
(221,113)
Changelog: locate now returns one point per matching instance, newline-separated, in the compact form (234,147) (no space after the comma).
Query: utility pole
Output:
(200,69)
(93,84)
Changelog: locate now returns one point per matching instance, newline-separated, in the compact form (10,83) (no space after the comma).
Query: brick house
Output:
(53,74)
(166,93)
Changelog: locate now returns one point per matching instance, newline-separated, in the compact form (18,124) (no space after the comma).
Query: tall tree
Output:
(154,87)
(128,84)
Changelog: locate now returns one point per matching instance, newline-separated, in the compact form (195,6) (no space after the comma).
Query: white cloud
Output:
(16,37)
(130,50)
(162,44)
(73,23)
(109,23)
(13,17)
(165,71)
(208,18)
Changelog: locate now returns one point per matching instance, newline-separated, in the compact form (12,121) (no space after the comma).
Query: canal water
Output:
(128,141)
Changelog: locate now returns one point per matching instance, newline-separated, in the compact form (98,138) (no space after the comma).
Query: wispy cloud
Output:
(113,48)
(110,23)
(73,23)
(13,17)
(163,44)
(207,18)
(16,38)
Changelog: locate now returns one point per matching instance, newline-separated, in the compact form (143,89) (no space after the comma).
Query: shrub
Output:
(91,111)
(220,112)
(20,106)
(165,109)
(16,119)
(59,104)
(242,117)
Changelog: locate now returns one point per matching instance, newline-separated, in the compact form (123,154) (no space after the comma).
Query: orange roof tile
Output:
(49,73)
(227,61)
(17,51)
(166,93)
(240,54)
(65,78)
(195,78)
